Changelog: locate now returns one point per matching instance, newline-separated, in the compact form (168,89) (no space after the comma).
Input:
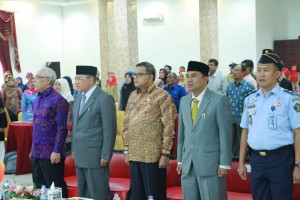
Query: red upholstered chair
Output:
(296,192)
(119,176)
(70,176)
(119,181)
(174,191)
(69,166)
(237,188)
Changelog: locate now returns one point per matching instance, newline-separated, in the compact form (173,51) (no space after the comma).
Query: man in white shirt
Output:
(217,81)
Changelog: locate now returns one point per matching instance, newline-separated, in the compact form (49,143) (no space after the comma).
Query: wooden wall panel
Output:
(289,51)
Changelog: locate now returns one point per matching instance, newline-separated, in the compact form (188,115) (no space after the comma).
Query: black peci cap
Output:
(86,70)
(198,66)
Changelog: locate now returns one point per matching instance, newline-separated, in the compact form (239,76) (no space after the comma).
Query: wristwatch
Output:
(297,165)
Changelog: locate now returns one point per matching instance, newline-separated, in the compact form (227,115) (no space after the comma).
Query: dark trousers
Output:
(272,176)
(147,179)
(44,173)
(236,138)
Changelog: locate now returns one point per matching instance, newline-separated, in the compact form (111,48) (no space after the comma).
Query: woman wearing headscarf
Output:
(126,90)
(162,78)
(28,99)
(3,124)
(19,81)
(62,86)
(12,96)
(70,84)
(182,80)
(5,75)
(112,86)
(29,76)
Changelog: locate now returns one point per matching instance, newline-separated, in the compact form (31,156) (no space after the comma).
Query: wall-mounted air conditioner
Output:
(154,18)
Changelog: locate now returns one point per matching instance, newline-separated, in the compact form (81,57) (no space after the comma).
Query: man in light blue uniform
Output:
(271,127)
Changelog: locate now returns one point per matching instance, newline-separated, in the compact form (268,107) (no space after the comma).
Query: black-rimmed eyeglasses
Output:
(137,75)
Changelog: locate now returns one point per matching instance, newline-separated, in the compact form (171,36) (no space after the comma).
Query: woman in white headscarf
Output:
(62,86)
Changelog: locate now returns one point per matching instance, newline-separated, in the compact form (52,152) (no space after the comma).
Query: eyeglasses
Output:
(81,78)
(137,75)
(39,77)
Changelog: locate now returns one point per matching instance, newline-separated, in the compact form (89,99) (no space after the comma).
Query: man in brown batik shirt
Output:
(148,134)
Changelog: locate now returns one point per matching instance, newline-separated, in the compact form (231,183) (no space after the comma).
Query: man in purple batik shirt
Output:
(48,151)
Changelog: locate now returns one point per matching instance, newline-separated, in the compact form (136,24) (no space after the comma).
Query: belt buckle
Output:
(262,153)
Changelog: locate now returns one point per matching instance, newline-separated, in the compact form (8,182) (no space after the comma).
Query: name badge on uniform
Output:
(250,119)
(272,122)
(251,106)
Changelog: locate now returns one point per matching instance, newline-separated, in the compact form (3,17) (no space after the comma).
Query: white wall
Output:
(237,36)
(265,31)
(39,34)
(276,20)
(176,40)
(286,19)
(69,34)
(81,41)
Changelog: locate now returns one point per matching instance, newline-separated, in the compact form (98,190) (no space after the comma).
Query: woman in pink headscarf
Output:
(112,86)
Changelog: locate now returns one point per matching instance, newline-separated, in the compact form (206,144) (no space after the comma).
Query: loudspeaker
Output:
(55,66)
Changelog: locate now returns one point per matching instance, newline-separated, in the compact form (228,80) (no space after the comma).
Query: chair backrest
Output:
(8,122)
(173,178)
(296,191)
(234,181)
(70,169)
(119,137)
(118,168)
(20,116)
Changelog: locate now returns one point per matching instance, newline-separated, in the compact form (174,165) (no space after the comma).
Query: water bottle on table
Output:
(43,195)
(150,197)
(5,194)
(116,197)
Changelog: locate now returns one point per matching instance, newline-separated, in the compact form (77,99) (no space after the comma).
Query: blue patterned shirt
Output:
(237,94)
(50,114)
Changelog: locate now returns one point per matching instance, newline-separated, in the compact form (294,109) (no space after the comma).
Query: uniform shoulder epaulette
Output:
(250,93)
(288,91)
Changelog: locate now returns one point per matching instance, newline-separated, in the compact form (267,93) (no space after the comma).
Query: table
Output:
(19,138)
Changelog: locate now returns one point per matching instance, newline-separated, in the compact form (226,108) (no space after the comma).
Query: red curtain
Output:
(7,31)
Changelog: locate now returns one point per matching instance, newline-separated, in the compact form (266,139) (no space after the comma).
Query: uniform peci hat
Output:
(269,56)
(86,70)
(199,67)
